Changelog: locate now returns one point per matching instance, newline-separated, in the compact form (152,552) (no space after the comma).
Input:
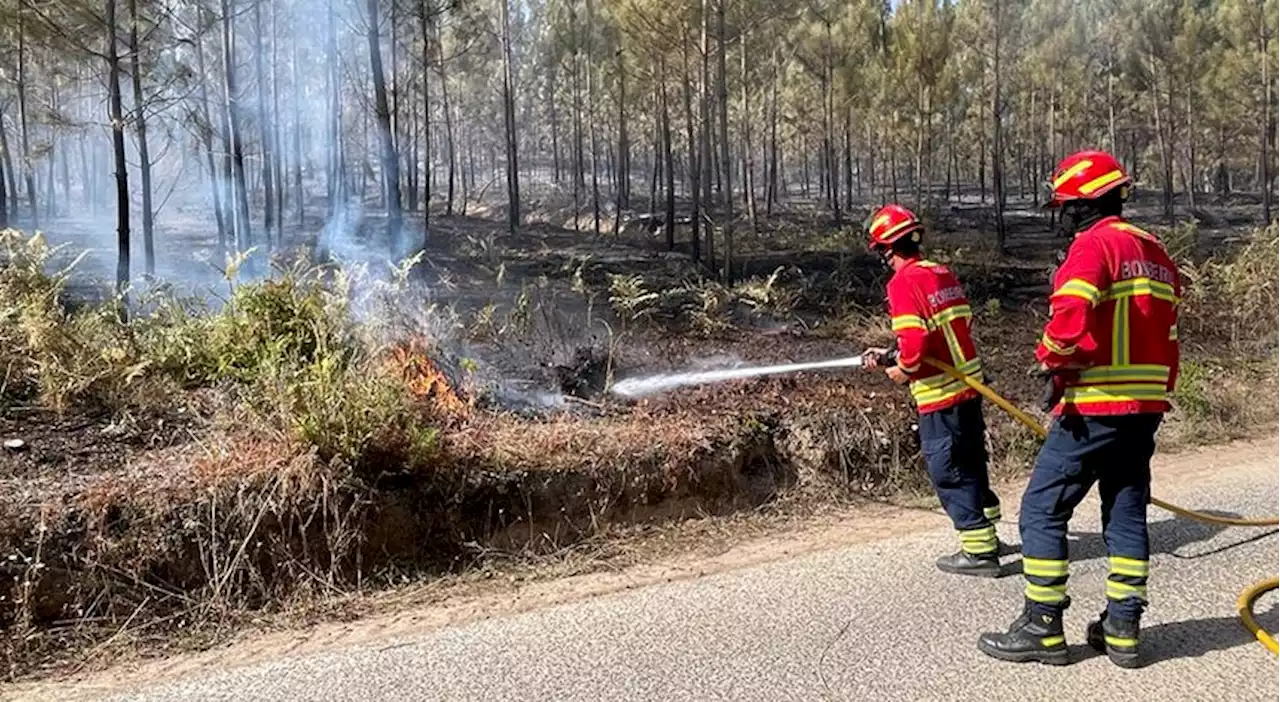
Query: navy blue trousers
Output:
(1115,452)
(953,441)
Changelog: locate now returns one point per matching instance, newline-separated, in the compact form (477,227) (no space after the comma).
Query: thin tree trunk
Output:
(277,147)
(997,148)
(695,170)
(555,122)
(426,20)
(382,111)
(624,145)
(144,157)
(771,190)
(10,172)
(451,151)
(1266,128)
(116,117)
(705,147)
(206,133)
(1191,152)
(334,176)
(726,165)
(668,163)
(295,86)
(28,173)
(243,228)
(748,158)
(591,121)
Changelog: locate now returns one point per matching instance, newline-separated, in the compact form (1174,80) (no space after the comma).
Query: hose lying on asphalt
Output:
(1244,606)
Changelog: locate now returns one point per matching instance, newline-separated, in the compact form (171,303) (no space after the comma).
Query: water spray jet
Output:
(648,385)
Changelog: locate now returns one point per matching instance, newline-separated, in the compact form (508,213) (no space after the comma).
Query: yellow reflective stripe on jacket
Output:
(1124,392)
(1053,346)
(1079,287)
(972,367)
(1173,333)
(1141,286)
(950,390)
(951,314)
(1120,334)
(1134,373)
(908,321)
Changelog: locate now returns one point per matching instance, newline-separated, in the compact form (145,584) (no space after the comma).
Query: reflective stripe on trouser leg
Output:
(1125,491)
(978,541)
(1062,476)
(1046,580)
(991,513)
(1127,579)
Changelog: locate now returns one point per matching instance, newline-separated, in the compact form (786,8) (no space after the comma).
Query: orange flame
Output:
(411,361)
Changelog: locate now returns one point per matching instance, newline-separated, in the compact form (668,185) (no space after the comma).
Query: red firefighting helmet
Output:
(890,223)
(1086,175)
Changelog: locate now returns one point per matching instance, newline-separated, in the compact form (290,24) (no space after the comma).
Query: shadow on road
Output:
(1170,536)
(1189,639)
(1196,637)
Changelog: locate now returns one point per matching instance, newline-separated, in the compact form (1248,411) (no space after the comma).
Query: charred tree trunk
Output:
(296,90)
(997,147)
(624,145)
(390,160)
(425,18)
(591,120)
(28,172)
(726,164)
(771,190)
(509,119)
(451,151)
(277,145)
(705,147)
(115,115)
(244,237)
(695,224)
(144,154)
(668,163)
(206,135)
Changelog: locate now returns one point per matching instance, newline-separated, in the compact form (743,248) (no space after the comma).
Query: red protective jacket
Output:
(1113,315)
(931,317)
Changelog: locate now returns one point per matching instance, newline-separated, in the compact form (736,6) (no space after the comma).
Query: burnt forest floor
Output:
(150,507)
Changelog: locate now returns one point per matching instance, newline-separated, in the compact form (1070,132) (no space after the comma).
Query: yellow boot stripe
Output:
(1120,642)
(1051,641)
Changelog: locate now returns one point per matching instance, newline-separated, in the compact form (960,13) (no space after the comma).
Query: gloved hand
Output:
(875,357)
(1055,383)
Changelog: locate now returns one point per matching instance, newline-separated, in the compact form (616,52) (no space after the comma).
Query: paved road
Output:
(874,621)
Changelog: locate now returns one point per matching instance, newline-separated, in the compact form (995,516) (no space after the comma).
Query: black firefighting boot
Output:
(982,565)
(1118,638)
(1033,636)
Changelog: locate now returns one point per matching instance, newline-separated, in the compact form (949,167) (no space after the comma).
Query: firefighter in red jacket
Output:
(931,316)
(1110,352)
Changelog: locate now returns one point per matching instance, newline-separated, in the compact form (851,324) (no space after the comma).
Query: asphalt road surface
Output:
(875,621)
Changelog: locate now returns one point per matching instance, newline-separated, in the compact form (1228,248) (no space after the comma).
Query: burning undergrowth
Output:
(338,433)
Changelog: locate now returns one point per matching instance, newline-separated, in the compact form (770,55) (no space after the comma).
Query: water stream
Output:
(648,385)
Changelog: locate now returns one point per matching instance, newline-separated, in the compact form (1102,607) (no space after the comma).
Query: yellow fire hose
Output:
(1244,606)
